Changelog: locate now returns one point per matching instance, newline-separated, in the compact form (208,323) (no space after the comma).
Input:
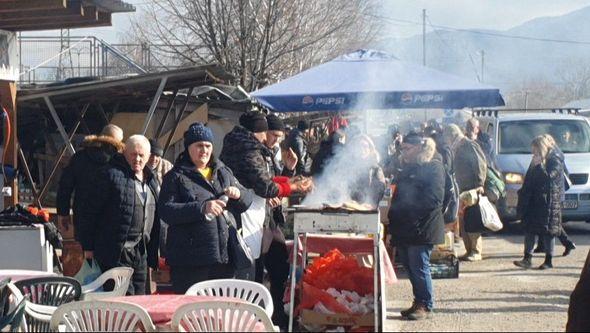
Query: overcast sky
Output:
(481,14)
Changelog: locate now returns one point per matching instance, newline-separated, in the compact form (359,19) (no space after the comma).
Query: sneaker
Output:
(464,257)
(473,257)
(568,248)
(539,249)
(524,263)
(545,266)
(409,310)
(420,312)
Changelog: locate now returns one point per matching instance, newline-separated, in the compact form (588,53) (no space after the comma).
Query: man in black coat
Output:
(121,224)
(77,177)
(297,141)
(416,219)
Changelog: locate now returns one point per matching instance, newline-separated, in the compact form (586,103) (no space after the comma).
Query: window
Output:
(572,136)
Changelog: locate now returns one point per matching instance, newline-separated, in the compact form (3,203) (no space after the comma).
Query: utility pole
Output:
(424,51)
(526,100)
(482,62)
(424,37)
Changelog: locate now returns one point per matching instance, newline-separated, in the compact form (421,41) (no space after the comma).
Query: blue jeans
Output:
(416,259)
(530,239)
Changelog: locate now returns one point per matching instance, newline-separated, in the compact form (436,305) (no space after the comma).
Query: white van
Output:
(512,133)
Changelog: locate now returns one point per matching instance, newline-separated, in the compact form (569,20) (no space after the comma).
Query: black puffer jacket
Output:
(539,199)
(192,240)
(296,141)
(108,215)
(250,161)
(415,214)
(78,176)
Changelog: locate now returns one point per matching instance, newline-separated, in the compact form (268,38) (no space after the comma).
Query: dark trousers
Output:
(562,236)
(183,277)
(277,266)
(547,240)
(136,259)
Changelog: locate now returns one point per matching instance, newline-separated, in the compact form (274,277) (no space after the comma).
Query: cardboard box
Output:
(339,319)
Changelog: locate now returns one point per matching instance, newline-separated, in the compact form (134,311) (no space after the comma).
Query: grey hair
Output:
(427,152)
(138,139)
(111,130)
(471,124)
(453,133)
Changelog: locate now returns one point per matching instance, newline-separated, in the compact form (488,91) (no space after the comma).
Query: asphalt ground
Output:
(494,294)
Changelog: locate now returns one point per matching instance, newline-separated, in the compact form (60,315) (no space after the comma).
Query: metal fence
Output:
(52,59)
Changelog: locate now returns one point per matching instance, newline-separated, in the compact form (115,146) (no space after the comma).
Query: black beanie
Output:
(155,148)
(255,122)
(197,132)
(302,125)
(275,123)
(413,138)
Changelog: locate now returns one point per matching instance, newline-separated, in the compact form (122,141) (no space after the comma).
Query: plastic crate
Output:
(446,268)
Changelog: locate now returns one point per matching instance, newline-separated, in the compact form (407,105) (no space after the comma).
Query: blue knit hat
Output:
(197,132)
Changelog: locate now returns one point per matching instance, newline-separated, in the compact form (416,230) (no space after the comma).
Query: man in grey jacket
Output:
(470,172)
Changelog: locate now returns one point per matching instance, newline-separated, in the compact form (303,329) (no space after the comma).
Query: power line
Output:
(550,40)
(444,42)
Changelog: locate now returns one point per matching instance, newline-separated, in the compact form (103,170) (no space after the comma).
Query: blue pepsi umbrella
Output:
(368,79)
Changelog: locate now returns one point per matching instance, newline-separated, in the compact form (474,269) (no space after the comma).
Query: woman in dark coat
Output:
(369,186)
(416,218)
(539,200)
(197,246)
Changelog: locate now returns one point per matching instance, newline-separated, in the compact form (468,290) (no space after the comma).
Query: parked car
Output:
(512,133)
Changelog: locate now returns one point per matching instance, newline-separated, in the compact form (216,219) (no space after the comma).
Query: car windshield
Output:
(572,136)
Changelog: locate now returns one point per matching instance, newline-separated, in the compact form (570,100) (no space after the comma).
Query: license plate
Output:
(570,204)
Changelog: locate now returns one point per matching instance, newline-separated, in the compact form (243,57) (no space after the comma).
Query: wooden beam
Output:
(74,9)
(104,19)
(29,5)
(71,18)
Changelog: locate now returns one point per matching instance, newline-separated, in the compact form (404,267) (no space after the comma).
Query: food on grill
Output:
(351,205)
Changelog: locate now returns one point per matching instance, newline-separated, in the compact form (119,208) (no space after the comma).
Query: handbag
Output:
(481,217)
(489,215)
(239,253)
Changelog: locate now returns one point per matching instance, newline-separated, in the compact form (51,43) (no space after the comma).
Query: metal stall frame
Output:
(356,223)
(88,92)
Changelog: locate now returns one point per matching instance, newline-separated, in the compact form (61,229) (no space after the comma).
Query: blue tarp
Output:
(368,79)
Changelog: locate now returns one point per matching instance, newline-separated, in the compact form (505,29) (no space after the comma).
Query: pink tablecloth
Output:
(347,245)
(161,308)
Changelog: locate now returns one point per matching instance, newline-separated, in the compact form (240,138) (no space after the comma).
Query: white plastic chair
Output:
(122,278)
(101,316)
(221,316)
(252,292)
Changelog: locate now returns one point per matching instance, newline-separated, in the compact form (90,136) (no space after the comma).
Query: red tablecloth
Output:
(348,245)
(161,308)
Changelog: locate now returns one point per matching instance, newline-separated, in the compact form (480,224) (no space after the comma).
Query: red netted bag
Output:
(335,270)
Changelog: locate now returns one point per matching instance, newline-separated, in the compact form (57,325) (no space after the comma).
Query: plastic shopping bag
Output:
(88,272)
(489,215)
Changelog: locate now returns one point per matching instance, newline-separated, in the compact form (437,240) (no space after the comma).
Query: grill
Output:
(579,178)
(310,219)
